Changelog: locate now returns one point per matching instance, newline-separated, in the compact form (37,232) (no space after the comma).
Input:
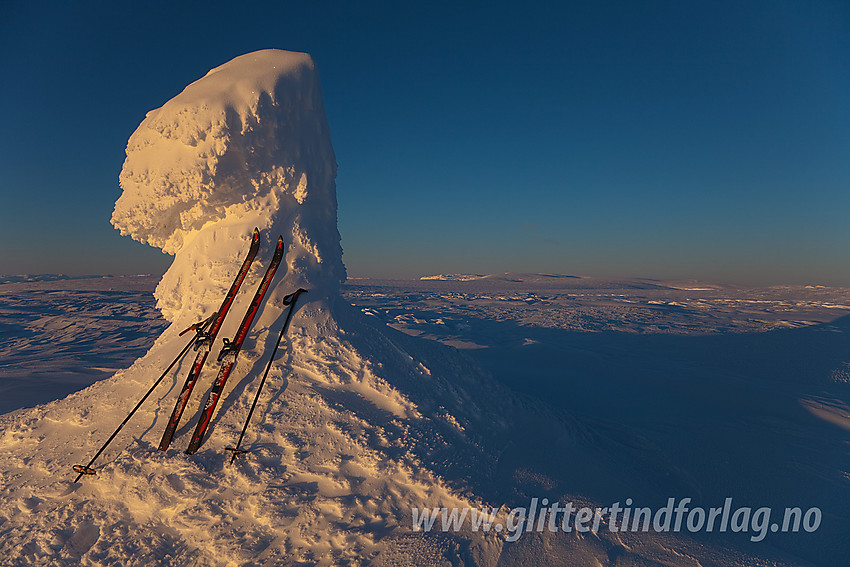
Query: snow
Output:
(576,389)
(339,451)
(452,277)
(246,145)
(338,447)
(65,317)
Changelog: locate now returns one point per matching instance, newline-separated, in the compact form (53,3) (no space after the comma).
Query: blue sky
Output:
(651,139)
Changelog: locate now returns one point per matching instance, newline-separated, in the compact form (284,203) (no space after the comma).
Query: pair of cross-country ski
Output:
(205,335)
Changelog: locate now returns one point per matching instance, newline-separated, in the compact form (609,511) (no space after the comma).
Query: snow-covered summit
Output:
(246,145)
(351,432)
(358,424)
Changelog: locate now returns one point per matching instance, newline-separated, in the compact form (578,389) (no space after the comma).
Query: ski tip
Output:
(280,241)
(255,243)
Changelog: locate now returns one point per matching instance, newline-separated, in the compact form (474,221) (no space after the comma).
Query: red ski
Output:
(204,343)
(230,350)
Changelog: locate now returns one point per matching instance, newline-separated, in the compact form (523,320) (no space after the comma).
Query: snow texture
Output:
(337,451)
(552,339)
(246,145)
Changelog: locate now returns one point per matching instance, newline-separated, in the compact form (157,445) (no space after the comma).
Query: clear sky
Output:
(653,139)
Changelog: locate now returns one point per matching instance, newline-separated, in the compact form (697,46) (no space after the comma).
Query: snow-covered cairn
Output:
(246,145)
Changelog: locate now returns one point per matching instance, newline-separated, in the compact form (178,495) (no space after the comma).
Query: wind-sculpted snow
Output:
(359,423)
(61,334)
(352,432)
(447,309)
(344,446)
(246,145)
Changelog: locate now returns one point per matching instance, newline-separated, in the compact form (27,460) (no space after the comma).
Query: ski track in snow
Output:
(652,409)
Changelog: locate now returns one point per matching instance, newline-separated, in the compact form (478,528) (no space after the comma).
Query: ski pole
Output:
(288,300)
(199,331)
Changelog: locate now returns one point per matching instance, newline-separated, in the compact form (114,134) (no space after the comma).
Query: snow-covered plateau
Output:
(596,390)
(391,397)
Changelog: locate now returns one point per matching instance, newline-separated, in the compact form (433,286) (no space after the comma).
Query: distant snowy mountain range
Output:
(43,278)
(508,276)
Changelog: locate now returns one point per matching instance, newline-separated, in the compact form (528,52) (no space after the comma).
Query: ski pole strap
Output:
(83,469)
(200,325)
(289,299)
